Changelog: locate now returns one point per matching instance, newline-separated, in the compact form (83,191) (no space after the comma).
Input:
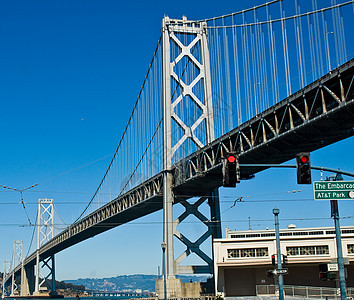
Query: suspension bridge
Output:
(266,83)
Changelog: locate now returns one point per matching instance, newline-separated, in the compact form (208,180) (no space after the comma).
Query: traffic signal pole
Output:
(277,237)
(335,215)
(294,166)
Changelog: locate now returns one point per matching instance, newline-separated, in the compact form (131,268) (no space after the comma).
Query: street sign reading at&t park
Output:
(333,190)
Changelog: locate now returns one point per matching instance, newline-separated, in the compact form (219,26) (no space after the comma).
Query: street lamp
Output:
(163,246)
(276,212)
(328,56)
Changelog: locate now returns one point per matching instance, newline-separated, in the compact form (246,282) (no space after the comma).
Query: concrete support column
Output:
(27,280)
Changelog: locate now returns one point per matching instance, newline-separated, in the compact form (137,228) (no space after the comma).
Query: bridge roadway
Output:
(320,114)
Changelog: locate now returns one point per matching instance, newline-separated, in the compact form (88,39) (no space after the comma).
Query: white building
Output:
(242,259)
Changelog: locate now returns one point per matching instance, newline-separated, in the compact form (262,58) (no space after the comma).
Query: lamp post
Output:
(277,237)
(328,56)
(163,246)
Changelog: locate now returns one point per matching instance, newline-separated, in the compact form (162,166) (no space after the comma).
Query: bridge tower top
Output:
(45,230)
(186,86)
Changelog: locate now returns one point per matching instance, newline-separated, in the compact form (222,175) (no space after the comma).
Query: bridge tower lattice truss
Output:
(190,40)
(45,268)
(7,269)
(17,258)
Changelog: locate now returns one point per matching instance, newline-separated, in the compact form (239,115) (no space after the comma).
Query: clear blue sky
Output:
(70,72)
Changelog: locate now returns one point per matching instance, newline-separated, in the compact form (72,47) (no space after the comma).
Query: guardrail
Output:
(303,291)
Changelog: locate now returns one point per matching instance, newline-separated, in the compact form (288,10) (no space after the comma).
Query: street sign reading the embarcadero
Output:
(333,190)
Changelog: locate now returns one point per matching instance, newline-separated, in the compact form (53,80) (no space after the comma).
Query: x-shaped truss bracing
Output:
(187,89)
(193,247)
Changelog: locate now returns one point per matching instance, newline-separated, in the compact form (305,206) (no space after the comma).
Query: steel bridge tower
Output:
(17,258)
(195,52)
(45,232)
(7,269)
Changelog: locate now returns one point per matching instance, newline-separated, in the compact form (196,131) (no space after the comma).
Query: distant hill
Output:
(128,283)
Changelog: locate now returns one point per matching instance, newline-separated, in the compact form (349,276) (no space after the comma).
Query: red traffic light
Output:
(231,159)
(304,159)
(230,170)
(303,168)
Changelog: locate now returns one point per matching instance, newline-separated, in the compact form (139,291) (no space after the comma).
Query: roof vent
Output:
(291,226)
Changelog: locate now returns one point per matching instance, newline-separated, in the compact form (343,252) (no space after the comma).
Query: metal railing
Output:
(303,291)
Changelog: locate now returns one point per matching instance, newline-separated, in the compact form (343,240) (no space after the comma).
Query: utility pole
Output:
(277,237)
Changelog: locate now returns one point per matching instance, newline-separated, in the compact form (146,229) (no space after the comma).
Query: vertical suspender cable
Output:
(298,48)
(237,74)
(286,52)
(303,58)
(317,34)
(253,80)
(219,89)
(272,54)
(227,80)
(312,49)
(336,34)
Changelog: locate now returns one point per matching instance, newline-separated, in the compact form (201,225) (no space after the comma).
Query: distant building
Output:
(242,259)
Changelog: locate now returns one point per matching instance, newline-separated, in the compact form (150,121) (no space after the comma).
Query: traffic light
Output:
(270,273)
(273,259)
(230,170)
(285,259)
(303,168)
(323,276)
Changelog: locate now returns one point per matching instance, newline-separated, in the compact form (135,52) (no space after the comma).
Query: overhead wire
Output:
(32,237)
(114,224)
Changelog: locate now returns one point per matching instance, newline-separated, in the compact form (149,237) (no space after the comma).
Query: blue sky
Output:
(70,72)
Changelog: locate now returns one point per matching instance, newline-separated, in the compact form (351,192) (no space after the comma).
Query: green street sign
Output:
(333,190)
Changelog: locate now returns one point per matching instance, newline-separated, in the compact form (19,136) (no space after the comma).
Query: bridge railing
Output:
(303,291)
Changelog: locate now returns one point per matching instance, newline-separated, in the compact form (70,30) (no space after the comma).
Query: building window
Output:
(315,232)
(237,236)
(253,252)
(267,234)
(350,249)
(301,233)
(232,253)
(322,250)
(292,251)
(307,250)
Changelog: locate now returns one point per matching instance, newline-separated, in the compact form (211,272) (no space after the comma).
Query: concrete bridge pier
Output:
(27,280)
